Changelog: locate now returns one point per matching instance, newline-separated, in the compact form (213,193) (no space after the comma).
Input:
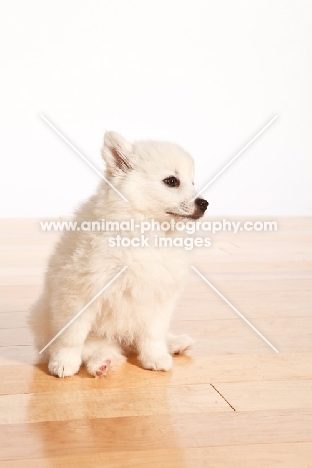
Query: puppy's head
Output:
(156,177)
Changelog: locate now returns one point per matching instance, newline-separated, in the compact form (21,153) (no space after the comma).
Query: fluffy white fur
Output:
(135,311)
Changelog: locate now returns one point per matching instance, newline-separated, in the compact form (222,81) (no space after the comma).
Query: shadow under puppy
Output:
(135,311)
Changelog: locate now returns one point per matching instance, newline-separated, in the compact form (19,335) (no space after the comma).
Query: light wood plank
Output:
(16,355)
(227,336)
(13,320)
(242,456)
(65,438)
(289,334)
(265,395)
(110,403)
(18,298)
(186,371)
(15,337)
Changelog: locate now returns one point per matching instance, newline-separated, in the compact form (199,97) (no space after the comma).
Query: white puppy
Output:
(135,310)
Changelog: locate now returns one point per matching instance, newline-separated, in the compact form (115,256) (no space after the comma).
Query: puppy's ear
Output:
(116,152)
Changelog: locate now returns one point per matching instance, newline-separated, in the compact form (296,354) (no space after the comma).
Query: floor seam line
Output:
(223,397)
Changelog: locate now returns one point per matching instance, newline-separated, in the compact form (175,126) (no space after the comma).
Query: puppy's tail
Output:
(38,322)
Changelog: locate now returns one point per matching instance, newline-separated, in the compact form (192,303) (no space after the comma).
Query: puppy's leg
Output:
(153,353)
(178,344)
(101,356)
(65,353)
(152,344)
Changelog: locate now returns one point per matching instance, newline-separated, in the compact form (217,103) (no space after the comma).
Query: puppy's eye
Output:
(171,181)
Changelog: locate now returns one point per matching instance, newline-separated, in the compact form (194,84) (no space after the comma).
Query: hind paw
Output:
(100,366)
(179,344)
(104,369)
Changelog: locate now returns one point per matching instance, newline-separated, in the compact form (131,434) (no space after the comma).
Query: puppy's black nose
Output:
(201,203)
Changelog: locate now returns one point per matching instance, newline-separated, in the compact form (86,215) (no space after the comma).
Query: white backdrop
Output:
(207,75)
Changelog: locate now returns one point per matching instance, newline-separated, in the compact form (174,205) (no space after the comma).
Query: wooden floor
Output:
(232,402)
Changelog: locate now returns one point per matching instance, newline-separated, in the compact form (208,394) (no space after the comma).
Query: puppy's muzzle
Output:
(202,204)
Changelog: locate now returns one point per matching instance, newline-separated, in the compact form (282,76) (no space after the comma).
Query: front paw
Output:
(160,363)
(65,363)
